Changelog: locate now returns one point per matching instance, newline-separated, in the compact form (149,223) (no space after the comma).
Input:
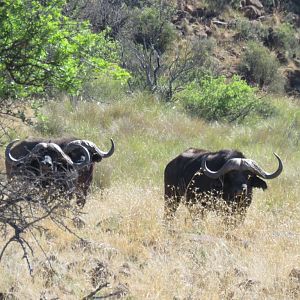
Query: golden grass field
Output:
(125,242)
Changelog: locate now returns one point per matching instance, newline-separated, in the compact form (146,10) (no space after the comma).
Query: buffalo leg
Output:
(171,205)
(81,195)
(172,201)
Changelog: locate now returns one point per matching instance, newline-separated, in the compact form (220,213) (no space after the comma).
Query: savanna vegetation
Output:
(137,72)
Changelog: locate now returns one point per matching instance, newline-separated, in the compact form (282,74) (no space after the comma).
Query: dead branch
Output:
(93,293)
(25,203)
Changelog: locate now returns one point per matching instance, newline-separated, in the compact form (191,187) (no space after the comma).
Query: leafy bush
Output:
(285,38)
(152,27)
(186,62)
(258,64)
(217,99)
(248,30)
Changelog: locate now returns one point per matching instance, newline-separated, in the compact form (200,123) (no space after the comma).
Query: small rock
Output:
(252,12)
(255,3)
(78,223)
(282,57)
(295,274)
(190,9)
(293,77)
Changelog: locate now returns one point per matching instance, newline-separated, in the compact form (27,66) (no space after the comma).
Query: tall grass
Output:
(127,243)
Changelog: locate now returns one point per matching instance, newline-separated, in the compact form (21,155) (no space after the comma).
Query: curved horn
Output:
(252,166)
(57,149)
(103,154)
(75,145)
(230,165)
(8,155)
(37,148)
(242,164)
(93,148)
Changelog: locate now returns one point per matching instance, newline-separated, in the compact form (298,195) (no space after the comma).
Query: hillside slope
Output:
(232,26)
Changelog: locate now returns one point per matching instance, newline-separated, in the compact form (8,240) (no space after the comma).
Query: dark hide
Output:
(45,169)
(185,182)
(84,174)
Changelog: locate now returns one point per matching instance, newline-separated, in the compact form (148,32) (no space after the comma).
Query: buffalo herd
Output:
(66,160)
(219,181)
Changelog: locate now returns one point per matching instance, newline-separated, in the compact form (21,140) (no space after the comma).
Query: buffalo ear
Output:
(96,157)
(256,182)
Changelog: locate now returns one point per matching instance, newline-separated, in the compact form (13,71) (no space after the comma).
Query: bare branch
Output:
(93,293)
(25,203)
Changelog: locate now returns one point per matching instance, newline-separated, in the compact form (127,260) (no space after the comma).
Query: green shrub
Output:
(285,38)
(277,86)
(258,64)
(248,30)
(152,28)
(217,99)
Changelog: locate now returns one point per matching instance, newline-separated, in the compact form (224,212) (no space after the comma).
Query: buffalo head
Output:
(73,149)
(238,175)
(85,173)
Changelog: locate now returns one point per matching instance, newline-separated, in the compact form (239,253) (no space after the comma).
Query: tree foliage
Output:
(152,28)
(41,49)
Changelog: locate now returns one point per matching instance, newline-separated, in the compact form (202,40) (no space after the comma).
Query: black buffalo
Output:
(79,155)
(222,181)
(44,165)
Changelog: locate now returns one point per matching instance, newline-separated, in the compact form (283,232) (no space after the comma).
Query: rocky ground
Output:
(196,20)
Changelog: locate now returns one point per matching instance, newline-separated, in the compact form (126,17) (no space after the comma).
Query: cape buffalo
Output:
(222,181)
(80,154)
(44,165)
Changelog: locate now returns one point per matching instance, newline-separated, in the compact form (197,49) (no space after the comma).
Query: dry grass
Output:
(125,241)
(130,248)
